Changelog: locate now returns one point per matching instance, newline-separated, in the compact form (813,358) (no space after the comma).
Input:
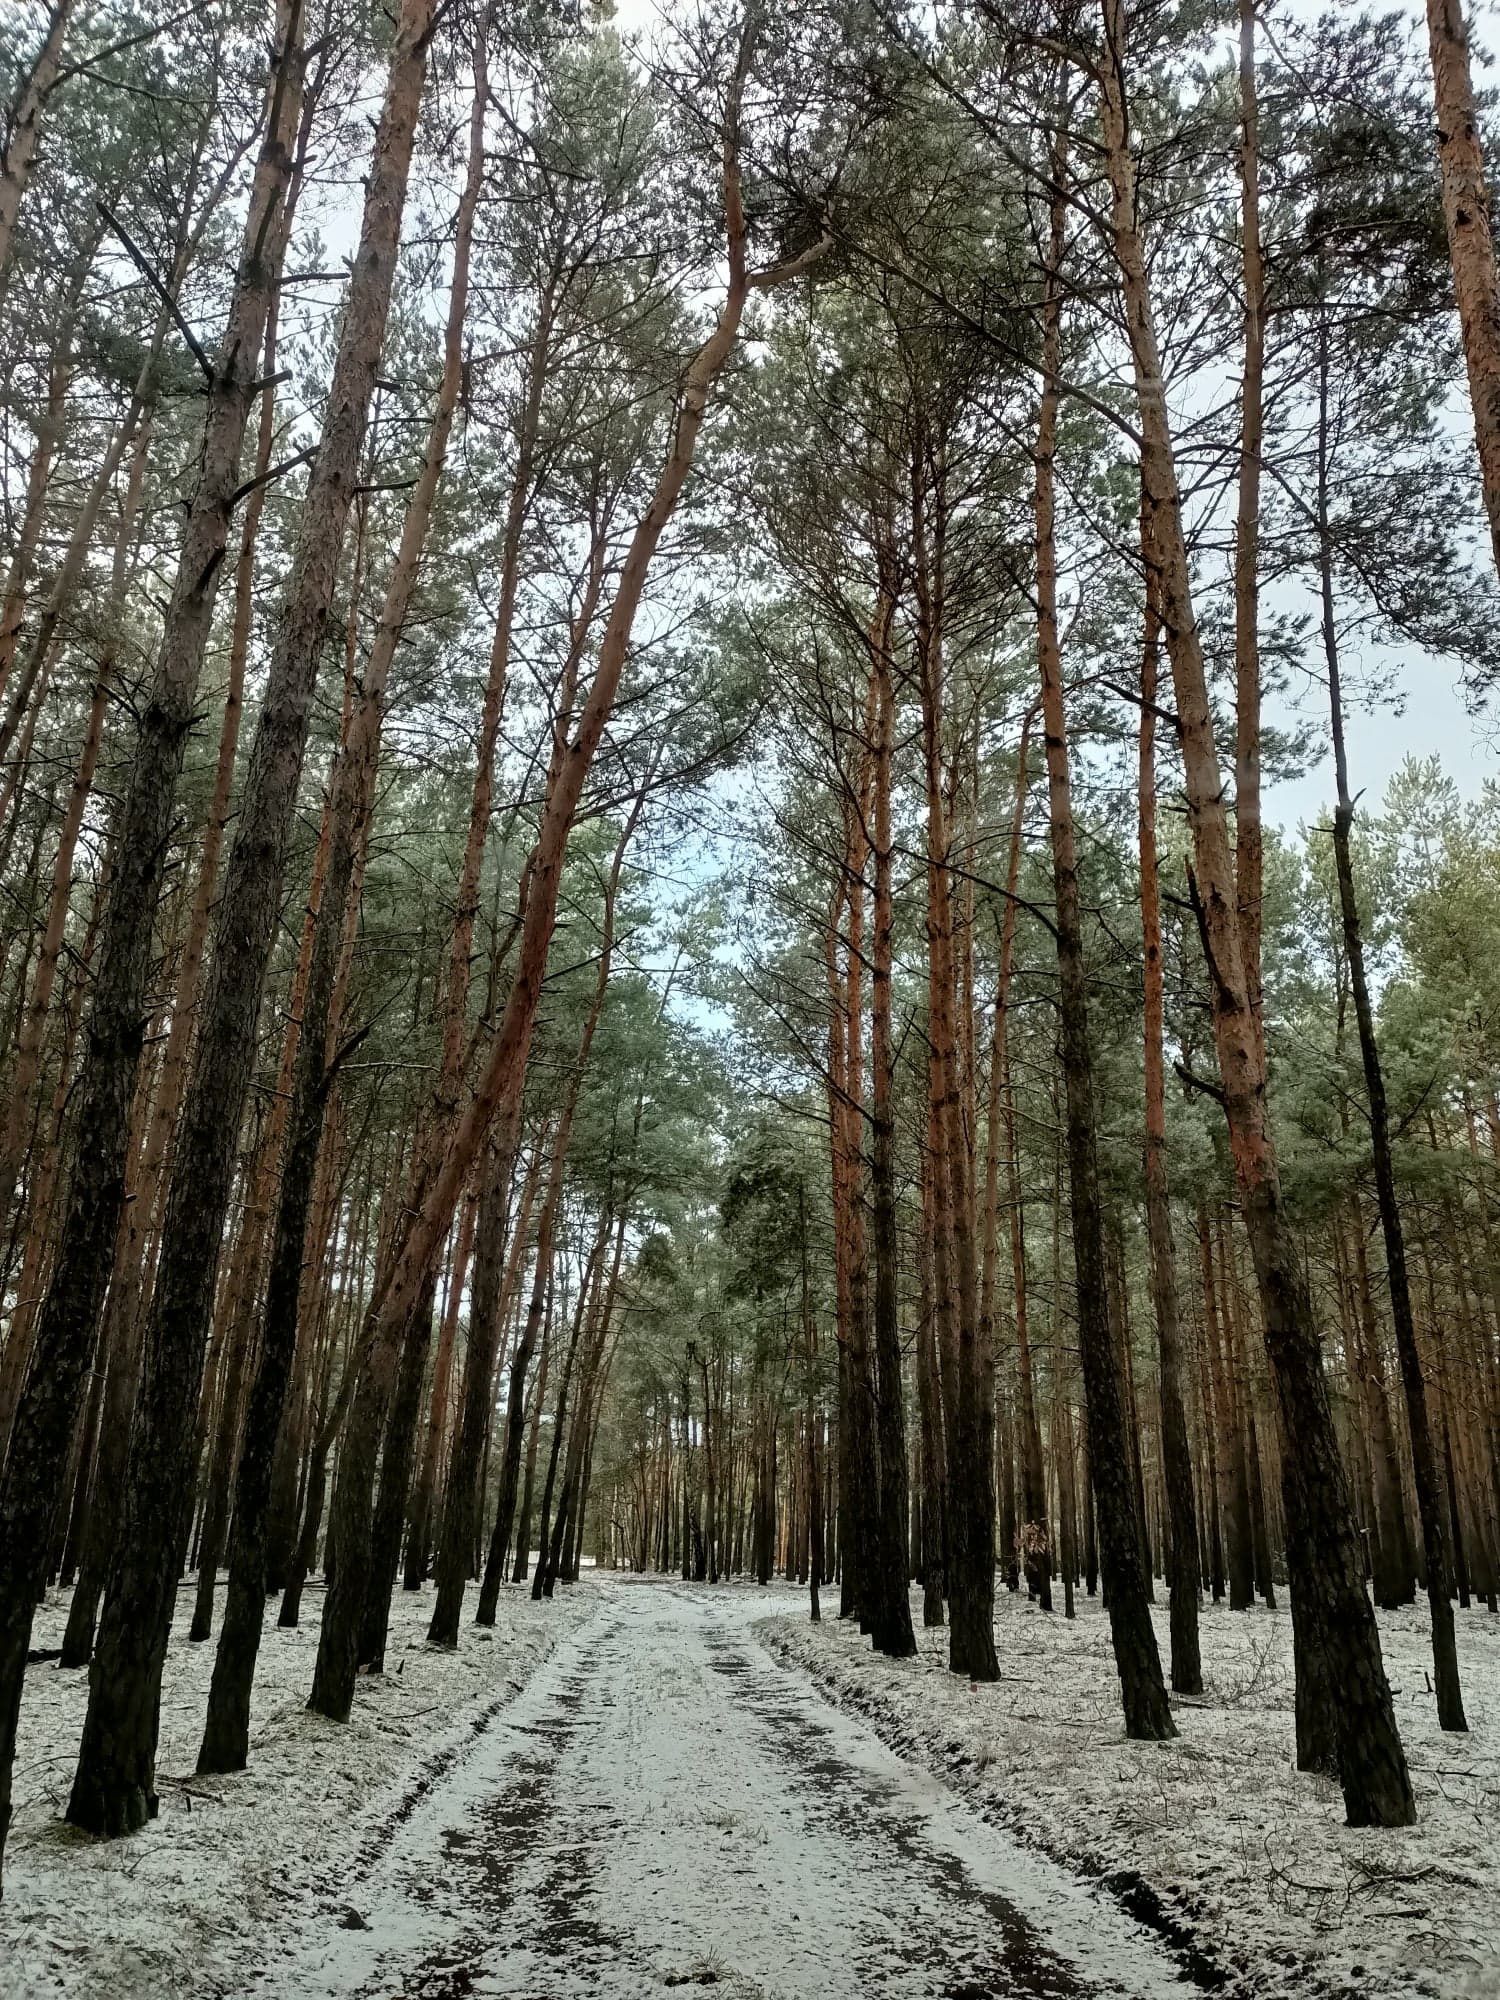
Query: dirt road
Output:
(665,1806)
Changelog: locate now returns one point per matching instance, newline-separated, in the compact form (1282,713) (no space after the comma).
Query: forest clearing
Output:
(750,974)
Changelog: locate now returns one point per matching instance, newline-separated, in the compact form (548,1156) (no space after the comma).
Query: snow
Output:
(667,1805)
(190,1905)
(646,1784)
(1248,1855)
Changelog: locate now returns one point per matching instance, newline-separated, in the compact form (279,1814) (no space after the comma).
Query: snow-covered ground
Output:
(668,1806)
(191,1905)
(1249,1856)
(637,1787)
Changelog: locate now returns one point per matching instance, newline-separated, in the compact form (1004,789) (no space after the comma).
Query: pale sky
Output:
(1433,721)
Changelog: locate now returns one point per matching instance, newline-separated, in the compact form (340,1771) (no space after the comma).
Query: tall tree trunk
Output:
(890,1603)
(28,1061)
(419,1537)
(31,683)
(351,805)
(114,1786)
(970,1497)
(24,124)
(1123,1559)
(524,1516)
(930,1419)
(1028,1535)
(395,1479)
(1249,866)
(143,1209)
(1320,1524)
(1234,1506)
(1242,1390)
(1000,1136)
(238,1305)
(497,1276)
(48,429)
(66,1326)
(1394,1569)
(857,1498)
(1182,1537)
(1426,1474)
(864,1538)
(813,1416)
(588,1291)
(515,1414)
(1471,242)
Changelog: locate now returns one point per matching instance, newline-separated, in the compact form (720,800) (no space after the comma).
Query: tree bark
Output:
(1123,1560)
(1372,1765)
(1182,1538)
(522,1567)
(1471,242)
(114,1786)
(419,1534)
(1394,1569)
(496,1277)
(890,1603)
(395,1479)
(1427,1476)
(930,1419)
(970,1497)
(48,433)
(69,1316)
(28,1061)
(24,125)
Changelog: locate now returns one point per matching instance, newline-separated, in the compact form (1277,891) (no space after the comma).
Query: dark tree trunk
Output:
(930,1420)
(1394,1566)
(460,1519)
(395,1482)
(890,1603)
(515,1403)
(522,1569)
(1147,1713)
(1234,1484)
(226,1446)
(559,1559)
(123,1367)
(305,1555)
(68,1321)
(419,1532)
(554,1454)
(860,1498)
(226,1733)
(1122,1559)
(1372,1764)
(813,1419)
(1427,1477)
(114,1785)
(1182,1524)
(83,1480)
(965,1373)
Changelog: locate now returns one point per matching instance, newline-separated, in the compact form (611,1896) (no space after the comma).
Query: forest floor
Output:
(1215,1837)
(624,1794)
(193,1904)
(666,1805)
(647,1785)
